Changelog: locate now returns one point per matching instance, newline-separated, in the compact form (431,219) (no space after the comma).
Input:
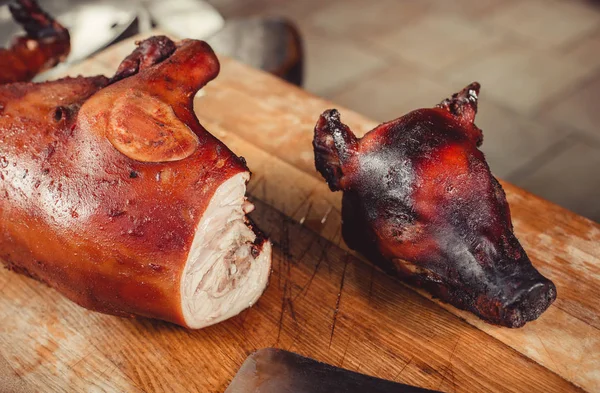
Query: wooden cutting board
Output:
(322,300)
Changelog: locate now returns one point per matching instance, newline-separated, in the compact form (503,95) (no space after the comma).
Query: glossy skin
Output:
(420,201)
(45,44)
(84,207)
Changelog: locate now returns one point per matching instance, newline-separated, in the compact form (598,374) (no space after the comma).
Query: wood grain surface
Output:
(322,300)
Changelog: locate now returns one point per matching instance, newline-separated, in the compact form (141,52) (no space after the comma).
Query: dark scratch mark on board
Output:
(403,368)
(306,286)
(308,211)
(291,306)
(118,367)
(346,348)
(545,349)
(286,258)
(293,214)
(279,271)
(291,346)
(284,246)
(103,373)
(449,368)
(288,264)
(83,358)
(313,238)
(337,238)
(339,299)
(283,306)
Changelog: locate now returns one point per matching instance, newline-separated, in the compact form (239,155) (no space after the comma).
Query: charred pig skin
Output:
(420,201)
(45,43)
(112,192)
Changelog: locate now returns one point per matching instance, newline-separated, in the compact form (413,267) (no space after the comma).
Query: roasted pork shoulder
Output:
(112,192)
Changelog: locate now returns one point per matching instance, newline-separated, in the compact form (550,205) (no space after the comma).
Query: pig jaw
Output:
(511,291)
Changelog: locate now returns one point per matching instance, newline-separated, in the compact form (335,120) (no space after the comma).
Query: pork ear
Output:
(148,53)
(463,106)
(334,143)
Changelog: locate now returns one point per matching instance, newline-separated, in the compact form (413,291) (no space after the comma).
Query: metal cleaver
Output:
(273,370)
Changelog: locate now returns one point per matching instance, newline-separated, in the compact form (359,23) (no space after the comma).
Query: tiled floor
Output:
(538,62)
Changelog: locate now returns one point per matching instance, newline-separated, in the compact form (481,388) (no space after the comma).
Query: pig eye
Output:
(60,113)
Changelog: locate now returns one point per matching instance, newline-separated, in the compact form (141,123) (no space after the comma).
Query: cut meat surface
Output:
(225,272)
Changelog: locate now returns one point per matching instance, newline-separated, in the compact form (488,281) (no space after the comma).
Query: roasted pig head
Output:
(420,201)
(45,43)
(112,192)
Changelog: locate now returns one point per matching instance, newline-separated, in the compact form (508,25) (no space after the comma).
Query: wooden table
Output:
(322,301)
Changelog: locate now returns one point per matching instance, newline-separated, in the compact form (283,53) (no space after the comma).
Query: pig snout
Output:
(512,292)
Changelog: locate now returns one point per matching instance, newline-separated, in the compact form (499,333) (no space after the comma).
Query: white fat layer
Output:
(221,277)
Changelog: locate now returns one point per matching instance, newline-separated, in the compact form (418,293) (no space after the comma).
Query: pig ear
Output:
(463,105)
(334,143)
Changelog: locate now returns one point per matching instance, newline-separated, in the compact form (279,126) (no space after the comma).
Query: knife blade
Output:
(272,370)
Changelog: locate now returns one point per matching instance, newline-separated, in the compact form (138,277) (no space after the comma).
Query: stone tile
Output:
(236,8)
(392,93)
(510,141)
(547,23)
(363,18)
(291,9)
(295,10)
(469,8)
(332,62)
(570,179)
(520,77)
(580,109)
(436,41)
(586,51)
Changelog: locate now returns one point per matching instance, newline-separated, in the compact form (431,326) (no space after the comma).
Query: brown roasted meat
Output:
(420,201)
(45,44)
(112,192)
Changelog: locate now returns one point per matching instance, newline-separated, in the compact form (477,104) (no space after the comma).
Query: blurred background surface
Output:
(538,62)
